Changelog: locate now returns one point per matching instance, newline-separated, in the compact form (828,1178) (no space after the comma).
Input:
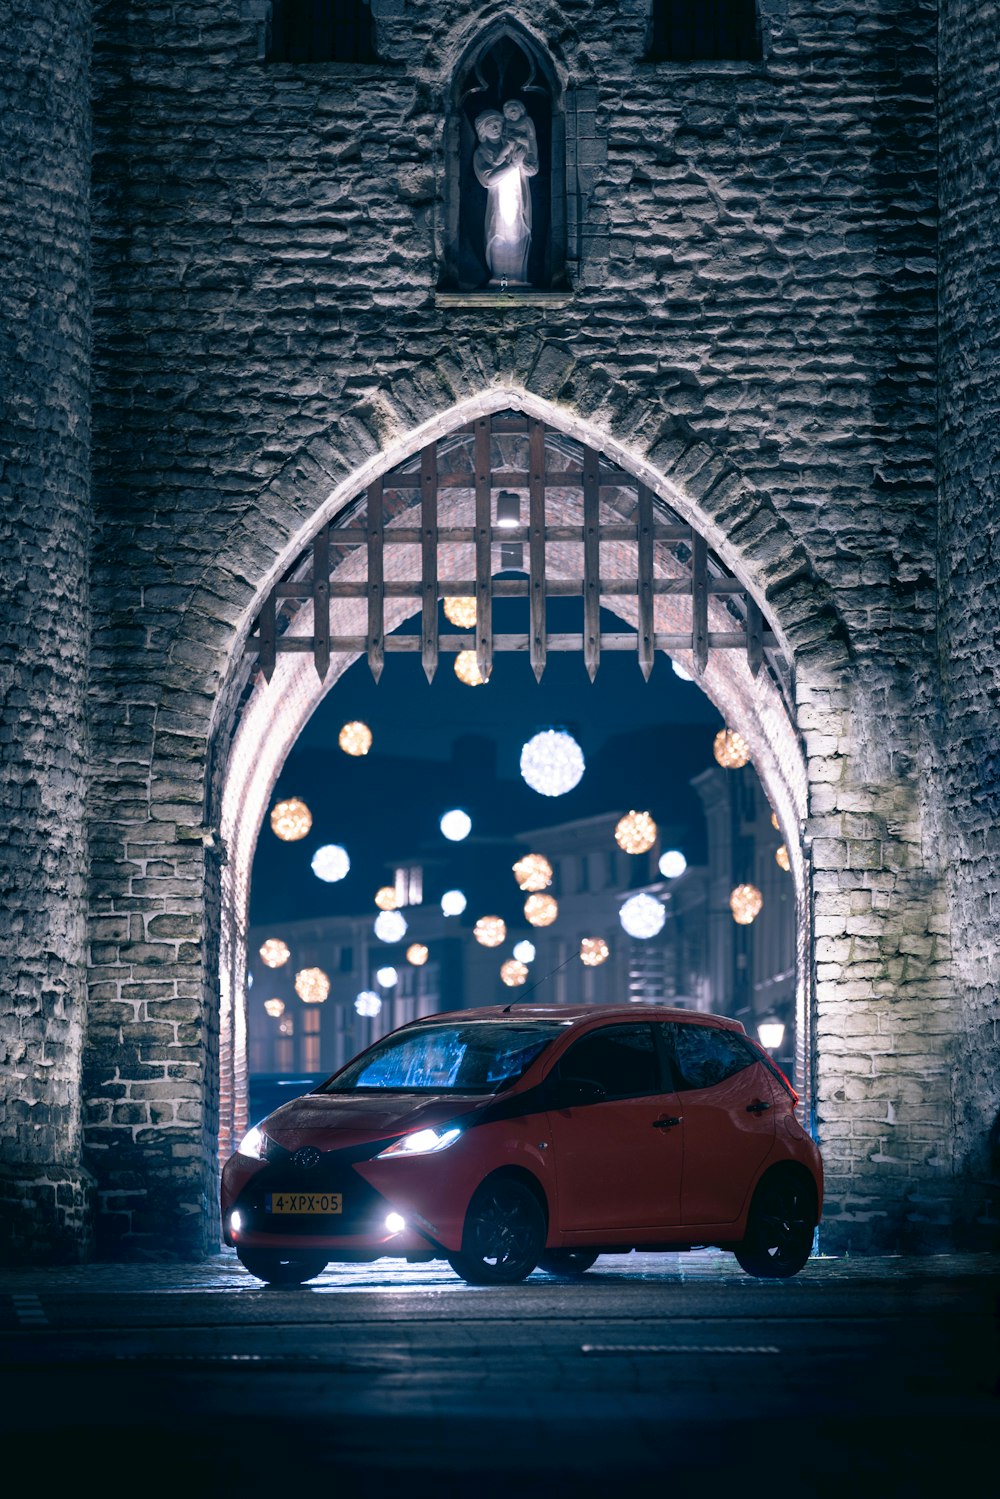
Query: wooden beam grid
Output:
(703,578)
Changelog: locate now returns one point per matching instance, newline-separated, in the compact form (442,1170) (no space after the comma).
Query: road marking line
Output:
(29,1310)
(601,1348)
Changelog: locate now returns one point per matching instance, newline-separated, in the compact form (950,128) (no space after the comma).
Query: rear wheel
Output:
(780,1228)
(504,1235)
(567,1262)
(281,1267)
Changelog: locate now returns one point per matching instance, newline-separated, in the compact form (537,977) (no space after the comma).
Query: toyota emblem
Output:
(306,1157)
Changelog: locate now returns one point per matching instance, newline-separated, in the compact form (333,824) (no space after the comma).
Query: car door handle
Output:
(665,1123)
(758,1106)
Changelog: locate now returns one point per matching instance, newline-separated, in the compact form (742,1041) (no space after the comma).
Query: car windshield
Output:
(477,1057)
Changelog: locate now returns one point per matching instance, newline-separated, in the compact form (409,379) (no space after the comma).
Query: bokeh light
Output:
(290,820)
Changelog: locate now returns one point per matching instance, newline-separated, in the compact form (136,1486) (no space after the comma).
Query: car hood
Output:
(338,1121)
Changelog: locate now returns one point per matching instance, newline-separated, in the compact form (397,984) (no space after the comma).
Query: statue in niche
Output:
(504,162)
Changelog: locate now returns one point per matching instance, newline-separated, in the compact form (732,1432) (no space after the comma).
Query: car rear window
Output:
(703,1055)
(477,1057)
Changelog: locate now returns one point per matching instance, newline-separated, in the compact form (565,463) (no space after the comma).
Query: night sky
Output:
(443,744)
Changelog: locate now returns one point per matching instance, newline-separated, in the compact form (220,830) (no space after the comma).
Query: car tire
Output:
(281,1268)
(568,1263)
(504,1235)
(780,1228)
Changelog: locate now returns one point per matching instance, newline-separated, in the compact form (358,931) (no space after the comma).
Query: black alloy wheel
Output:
(504,1235)
(780,1228)
(568,1263)
(281,1267)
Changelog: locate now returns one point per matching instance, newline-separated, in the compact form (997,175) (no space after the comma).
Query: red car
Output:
(508,1139)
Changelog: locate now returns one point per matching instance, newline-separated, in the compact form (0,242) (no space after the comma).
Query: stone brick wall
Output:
(44,542)
(753,320)
(970,574)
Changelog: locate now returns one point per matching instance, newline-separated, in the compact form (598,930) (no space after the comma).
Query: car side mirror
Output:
(574,1091)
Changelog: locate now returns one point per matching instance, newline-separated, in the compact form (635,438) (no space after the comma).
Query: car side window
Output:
(622,1059)
(702,1055)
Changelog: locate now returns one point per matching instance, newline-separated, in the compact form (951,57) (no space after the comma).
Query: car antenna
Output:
(543,980)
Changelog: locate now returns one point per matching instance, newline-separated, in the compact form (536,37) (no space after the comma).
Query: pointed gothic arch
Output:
(328,609)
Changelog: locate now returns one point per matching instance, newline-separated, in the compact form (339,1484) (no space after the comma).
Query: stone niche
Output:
(504,64)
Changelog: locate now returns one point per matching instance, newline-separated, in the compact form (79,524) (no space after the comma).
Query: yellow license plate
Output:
(320,1203)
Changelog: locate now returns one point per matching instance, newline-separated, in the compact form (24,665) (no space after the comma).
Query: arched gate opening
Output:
(512,488)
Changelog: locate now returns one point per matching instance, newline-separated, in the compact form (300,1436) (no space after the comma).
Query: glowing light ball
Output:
(513,973)
(461,612)
(390,926)
(453,903)
(386,977)
(330,863)
(456,825)
(524,951)
(355,738)
(672,864)
(385,898)
(467,669)
(679,671)
(541,910)
(490,930)
(312,985)
(730,749)
(274,1007)
(552,762)
(533,872)
(745,903)
(642,915)
(417,954)
(290,820)
(594,951)
(636,832)
(368,1003)
(274,952)
(781,857)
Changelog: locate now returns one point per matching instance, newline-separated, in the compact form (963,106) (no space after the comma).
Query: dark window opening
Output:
(704,31)
(321,31)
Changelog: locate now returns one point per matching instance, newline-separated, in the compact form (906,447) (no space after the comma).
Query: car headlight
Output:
(422,1142)
(253,1144)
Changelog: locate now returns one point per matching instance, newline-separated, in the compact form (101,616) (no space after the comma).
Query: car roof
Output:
(581,1014)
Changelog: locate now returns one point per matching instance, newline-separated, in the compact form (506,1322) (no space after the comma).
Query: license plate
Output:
(319,1203)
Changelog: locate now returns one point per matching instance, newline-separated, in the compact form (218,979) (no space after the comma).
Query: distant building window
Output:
(705,31)
(321,31)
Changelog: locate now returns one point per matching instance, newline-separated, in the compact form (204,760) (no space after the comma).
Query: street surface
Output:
(674,1375)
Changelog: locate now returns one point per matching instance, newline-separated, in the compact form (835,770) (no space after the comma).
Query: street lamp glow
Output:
(456,825)
(453,903)
(771,1033)
(524,951)
(368,1003)
(386,977)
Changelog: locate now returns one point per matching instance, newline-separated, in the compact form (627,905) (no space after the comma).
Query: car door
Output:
(617,1161)
(726,1104)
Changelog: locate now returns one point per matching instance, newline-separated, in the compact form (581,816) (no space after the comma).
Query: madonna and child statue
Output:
(505,160)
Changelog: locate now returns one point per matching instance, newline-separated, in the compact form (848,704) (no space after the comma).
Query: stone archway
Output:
(273,713)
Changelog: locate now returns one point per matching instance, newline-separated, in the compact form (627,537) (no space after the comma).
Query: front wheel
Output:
(281,1267)
(504,1235)
(568,1263)
(780,1229)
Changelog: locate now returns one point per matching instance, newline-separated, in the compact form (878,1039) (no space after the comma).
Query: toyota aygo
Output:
(508,1139)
